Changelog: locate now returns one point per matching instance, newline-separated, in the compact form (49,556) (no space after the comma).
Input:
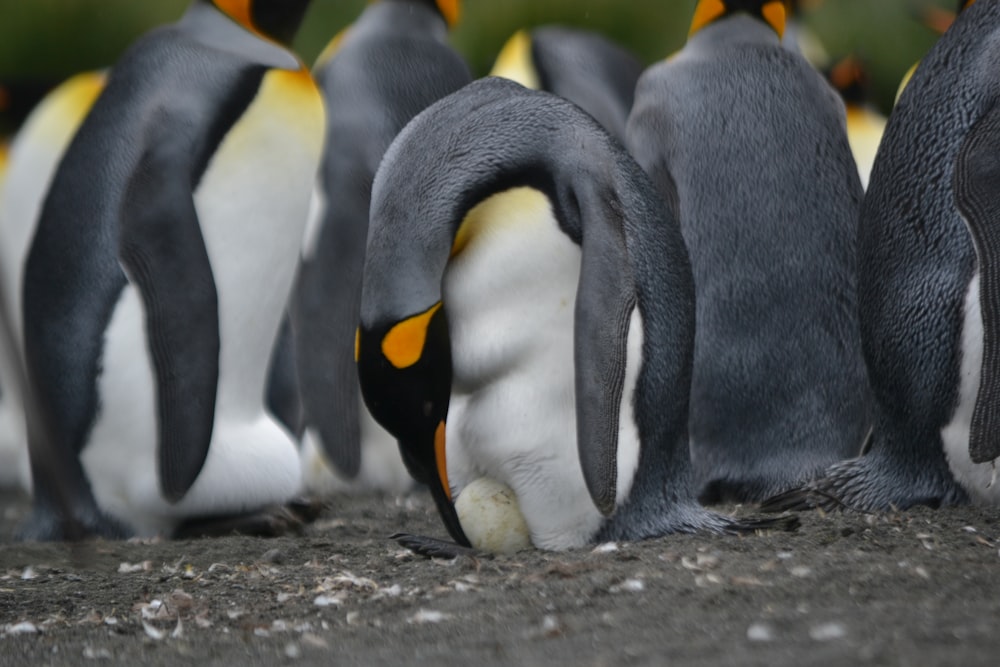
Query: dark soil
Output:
(916,588)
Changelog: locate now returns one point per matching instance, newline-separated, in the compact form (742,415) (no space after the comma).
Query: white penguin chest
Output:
(980,480)
(510,293)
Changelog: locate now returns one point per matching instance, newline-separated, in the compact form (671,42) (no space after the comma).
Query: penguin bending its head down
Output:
(753,139)
(388,66)
(581,66)
(154,286)
(928,287)
(527,317)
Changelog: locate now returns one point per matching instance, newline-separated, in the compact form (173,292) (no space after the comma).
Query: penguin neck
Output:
(403,16)
(447,10)
(735,30)
(275,20)
(208,25)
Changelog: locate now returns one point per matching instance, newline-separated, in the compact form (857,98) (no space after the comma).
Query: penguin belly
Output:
(510,294)
(252,204)
(980,480)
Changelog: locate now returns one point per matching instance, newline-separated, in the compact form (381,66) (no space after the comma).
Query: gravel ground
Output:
(916,588)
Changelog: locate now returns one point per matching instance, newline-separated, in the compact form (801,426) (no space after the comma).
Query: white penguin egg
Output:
(491,517)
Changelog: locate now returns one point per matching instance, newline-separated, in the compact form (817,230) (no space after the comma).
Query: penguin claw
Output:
(802,499)
(751,525)
(430,547)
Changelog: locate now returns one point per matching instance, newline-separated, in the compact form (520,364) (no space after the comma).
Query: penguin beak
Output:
(405,372)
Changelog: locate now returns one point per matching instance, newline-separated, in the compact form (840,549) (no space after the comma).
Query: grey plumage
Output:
(754,141)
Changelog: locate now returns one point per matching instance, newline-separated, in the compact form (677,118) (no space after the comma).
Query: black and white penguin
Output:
(753,139)
(581,66)
(155,284)
(392,63)
(34,154)
(927,287)
(527,322)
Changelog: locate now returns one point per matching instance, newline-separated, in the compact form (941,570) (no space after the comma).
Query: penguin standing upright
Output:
(928,289)
(393,62)
(155,283)
(34,155)
(754,140)
(581,66)
(527,318)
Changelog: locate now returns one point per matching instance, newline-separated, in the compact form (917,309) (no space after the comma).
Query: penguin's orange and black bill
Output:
(405,372)
(771,12)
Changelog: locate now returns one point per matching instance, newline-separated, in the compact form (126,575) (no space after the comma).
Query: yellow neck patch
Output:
(451,9)
(773,13)
(515,62)
(238,10)
(404,344)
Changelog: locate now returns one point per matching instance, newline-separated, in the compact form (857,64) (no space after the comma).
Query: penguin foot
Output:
(46,525)
(289,519)
(434,548)
(871,484)
(753,525)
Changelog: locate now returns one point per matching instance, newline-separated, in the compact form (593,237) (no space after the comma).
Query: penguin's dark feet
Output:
(289,519)
(752,525)
(872,484)
(46,525)
(435,548)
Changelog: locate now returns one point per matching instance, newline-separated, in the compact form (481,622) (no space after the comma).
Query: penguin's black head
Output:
(405,372)
(772,12)
(276,19)
(850,78)
(964,4)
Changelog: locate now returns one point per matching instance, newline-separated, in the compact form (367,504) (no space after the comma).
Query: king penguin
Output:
(581,66)
(527,317)
(154,285)
(34,155)
(753,139)
(927,287)
(393,62)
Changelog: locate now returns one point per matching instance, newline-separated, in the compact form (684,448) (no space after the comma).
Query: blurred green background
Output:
(44,41)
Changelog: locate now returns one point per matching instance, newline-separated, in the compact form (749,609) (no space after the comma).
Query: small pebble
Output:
(827,632)
(760,632)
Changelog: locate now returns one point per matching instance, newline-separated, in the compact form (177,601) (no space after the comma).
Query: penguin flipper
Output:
(162,250)
(605,300)
(326,302)
(977,195)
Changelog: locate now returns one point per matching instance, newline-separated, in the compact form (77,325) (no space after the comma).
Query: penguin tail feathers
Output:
(801,499)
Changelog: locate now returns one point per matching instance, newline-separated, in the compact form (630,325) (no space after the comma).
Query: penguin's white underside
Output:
(252,212)
(510,295)
(980,480)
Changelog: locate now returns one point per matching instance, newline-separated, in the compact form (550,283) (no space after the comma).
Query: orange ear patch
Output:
(706,12)
(404,344)
(774,14)
(451,9)
(239,10)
